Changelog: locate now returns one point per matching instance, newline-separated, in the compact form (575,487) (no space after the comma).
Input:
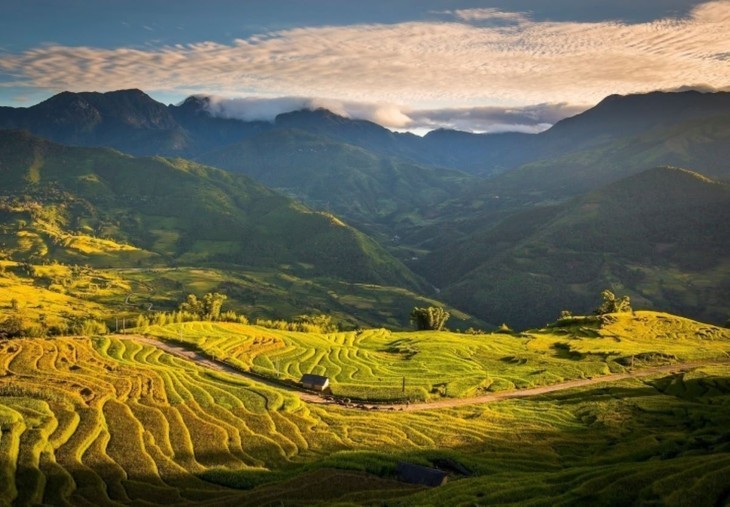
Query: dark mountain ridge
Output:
(132,121)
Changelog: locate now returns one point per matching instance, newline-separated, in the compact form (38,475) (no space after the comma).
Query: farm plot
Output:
(378,364)
(107,421)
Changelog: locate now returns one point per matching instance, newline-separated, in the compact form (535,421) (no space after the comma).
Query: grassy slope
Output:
(383,195)
(119,214)
(371,364)
(158,211)
(698,144)
(279,293)
(660,236)
(107,420)
(57,293)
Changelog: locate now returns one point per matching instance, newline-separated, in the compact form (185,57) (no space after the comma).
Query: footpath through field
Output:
(186,353)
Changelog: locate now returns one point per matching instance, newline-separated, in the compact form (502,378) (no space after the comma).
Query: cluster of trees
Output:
(19,324)
(210,307)
(176,317)
(207,308)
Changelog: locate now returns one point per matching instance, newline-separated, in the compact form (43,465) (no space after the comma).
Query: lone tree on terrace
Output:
(431,318)
(612,304)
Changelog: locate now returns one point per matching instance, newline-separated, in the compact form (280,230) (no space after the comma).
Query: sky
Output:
(478,65)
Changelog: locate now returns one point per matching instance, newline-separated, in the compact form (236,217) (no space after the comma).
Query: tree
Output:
(191,305)
(212,304)
(612,304)
(431,318)
(208,307)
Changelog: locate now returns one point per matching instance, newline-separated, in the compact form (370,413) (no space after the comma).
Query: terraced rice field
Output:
(372,364)
(108,421)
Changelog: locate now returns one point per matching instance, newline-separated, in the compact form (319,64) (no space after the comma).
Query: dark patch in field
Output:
(563,351)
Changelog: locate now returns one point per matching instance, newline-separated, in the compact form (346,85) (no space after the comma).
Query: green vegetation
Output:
(207,308)
(639,236)
(383,195)
(612,304)
(113,234)
(95,421)
(103,208)
(371,364)
(265,289)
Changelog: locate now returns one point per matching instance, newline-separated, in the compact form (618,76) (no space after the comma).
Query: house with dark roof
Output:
(417,474)
(314,382)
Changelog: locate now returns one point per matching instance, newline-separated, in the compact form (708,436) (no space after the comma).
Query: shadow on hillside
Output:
(580,434)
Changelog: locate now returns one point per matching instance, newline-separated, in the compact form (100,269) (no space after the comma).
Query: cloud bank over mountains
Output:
(395,73)
(533,118)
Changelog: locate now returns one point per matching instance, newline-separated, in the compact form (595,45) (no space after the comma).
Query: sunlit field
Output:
(373,364)
(108,420)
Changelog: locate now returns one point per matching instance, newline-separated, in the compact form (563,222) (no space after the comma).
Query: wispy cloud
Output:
(488,15)
(421,65)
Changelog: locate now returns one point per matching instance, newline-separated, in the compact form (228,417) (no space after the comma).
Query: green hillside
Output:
(110,421)
(700,144)
(660,236)
(378,193)
(164,228)
(105,208)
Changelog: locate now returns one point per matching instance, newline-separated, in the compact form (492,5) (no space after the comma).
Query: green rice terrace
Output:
(372,364)
(114,420)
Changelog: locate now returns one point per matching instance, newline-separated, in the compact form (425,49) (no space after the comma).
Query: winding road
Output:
(213,364)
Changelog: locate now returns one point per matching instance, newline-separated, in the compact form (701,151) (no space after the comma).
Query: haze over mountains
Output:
(498,222)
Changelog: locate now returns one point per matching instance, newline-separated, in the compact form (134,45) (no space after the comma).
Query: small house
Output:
(417,474)
(314,382)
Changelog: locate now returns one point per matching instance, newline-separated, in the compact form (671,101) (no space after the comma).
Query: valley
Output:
(319,237)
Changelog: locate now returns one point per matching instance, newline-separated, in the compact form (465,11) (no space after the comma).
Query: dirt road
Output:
(185,353)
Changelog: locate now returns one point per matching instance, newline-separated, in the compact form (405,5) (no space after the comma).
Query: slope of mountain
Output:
(701,144)
(660,236)
(381,194)
(100,206)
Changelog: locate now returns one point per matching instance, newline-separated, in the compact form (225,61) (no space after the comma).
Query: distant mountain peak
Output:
(195,103)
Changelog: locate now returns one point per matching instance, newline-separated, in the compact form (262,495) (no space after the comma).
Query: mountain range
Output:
(498,222)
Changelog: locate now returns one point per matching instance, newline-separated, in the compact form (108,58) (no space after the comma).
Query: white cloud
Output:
(422,65)
(533,118)
(266,109)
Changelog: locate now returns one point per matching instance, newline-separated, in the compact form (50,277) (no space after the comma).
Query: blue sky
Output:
(410,64)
